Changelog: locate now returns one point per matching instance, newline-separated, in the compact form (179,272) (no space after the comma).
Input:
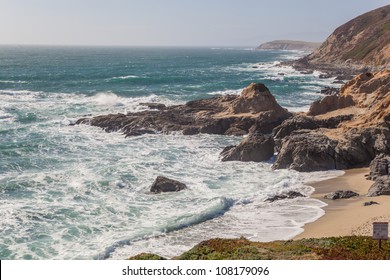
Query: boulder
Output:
(288,195)
(380,187)
(306,151)
(164,184)
(379,166)
(369,203)
(255,148)
(154,106)
(340,195)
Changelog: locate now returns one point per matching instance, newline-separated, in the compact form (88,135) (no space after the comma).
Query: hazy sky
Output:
(173,22)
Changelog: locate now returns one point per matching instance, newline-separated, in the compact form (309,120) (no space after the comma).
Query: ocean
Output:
(77,192)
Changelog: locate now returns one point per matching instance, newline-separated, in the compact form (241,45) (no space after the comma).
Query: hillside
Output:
(289,45)
(363,41)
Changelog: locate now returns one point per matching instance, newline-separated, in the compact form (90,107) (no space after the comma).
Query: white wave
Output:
(226,92)
(13,82)
(107,99)
(124,77)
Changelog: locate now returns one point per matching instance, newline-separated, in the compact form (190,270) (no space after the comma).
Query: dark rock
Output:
(379,166)
(157,106)
(231,115)
(330,103)
(325,76)
(235,131)
(288,195)
(380,187)
(255,148)
(191,130)
(306,152)
(330,91)
(164,184)
(341,195)
(369,203)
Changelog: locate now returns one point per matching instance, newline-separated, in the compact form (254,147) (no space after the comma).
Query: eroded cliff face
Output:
(339,135)
(363,41)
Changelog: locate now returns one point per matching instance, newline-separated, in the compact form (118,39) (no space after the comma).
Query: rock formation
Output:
(362,42)
(229,115)
(287,195)
(341,195)
(255,148)
(340,134)
(380,187)
(164,184)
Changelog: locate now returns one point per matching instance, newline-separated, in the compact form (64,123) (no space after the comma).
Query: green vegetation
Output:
(334,248)
(145,256)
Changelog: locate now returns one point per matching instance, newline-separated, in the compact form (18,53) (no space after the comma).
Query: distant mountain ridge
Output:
(363,41)
(289,45)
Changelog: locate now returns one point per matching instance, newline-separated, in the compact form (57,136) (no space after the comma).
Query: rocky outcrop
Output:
(363,41)
(307,151)
(330,103)
(341,195)
(289,45)
(164,184)
(255,148)
(287,195)
(379,166)
(380,187)
(229,115)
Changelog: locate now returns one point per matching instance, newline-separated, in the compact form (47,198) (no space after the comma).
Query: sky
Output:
(173,22)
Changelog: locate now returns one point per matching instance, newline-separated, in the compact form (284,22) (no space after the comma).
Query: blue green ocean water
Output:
(76,192)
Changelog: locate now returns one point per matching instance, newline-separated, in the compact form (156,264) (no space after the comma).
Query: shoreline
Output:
(345,217)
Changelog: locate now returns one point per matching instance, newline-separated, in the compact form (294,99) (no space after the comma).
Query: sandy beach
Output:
(347,216)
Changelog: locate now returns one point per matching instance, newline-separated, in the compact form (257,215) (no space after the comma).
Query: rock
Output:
(256,98)
(235,131)
(151,105)
(380,187)
(330,91)
(330,103)
(255,148)
(299,122)
(379,166)
(369,203)
(341,195)
(288,195)
(306,151)
(164,184)
(325,76)
(230,115)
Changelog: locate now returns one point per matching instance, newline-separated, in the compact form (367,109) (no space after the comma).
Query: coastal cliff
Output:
(361,43)
(289,45)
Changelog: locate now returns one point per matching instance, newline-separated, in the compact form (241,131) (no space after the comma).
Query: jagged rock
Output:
(307,152)
(255,148)
(380,187)
(369,203)
(235,131)
(231,115)
(288,195)
(330,91)
(299,122)
(341,195)
(151,105)
(164,184)
(379,166)
(330,103)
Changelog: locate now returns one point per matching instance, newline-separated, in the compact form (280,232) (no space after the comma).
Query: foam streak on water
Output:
(76,192)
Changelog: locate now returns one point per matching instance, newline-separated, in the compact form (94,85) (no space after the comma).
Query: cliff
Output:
(362,42)
(289,45)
